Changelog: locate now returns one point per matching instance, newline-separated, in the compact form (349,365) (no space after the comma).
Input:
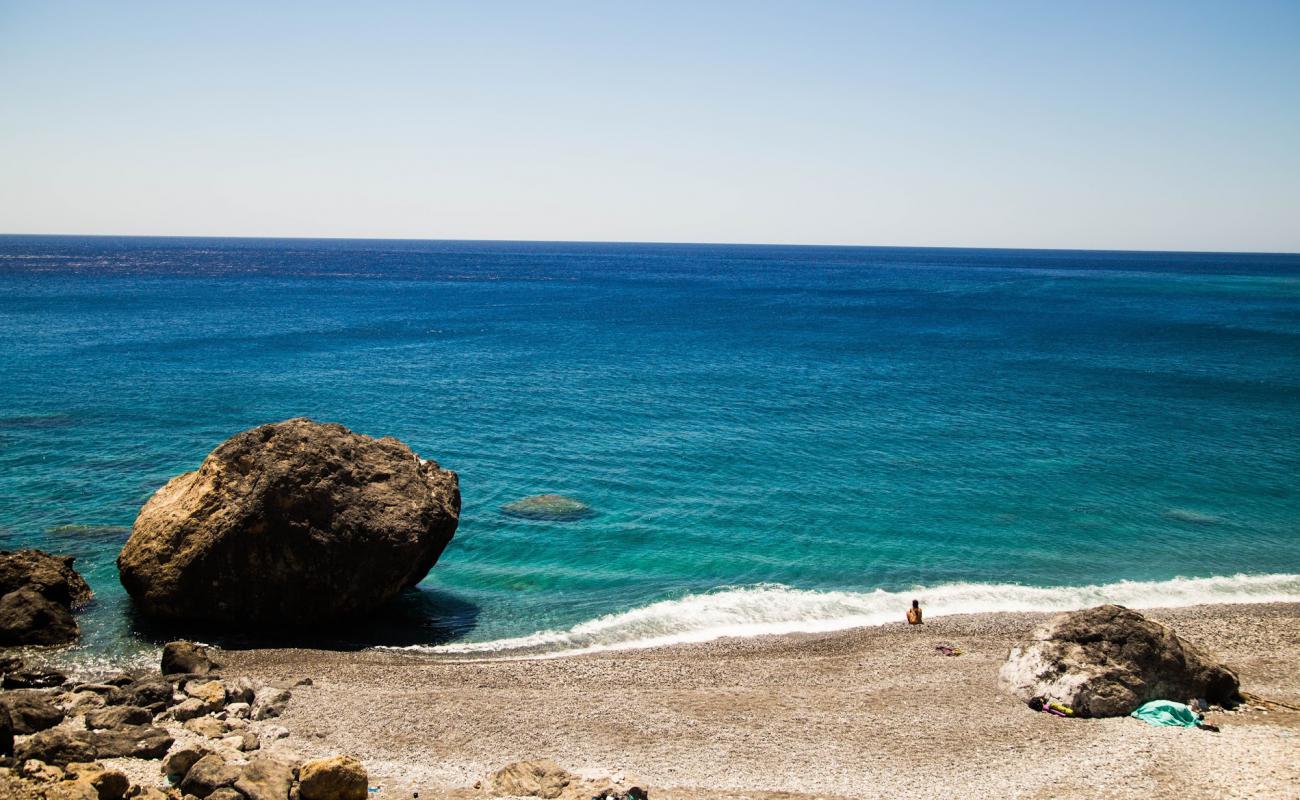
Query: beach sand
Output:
(870,712)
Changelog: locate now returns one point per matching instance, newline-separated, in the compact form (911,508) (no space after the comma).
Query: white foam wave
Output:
(775,608)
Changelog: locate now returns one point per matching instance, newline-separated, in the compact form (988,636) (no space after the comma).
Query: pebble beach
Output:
(869,712)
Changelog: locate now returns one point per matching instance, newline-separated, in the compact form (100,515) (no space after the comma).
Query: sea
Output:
(771,438)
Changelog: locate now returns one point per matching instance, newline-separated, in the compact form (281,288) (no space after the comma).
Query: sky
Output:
(1133,125)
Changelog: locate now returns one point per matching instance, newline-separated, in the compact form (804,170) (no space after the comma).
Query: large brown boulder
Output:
(291,523)
(38,593)
(1107,661)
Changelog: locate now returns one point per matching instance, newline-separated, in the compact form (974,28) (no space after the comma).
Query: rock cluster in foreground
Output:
(52,734)
(212,739)
(38,593)
(1107,661)
(291,523)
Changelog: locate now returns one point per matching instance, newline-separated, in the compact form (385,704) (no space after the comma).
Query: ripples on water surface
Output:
(784,420)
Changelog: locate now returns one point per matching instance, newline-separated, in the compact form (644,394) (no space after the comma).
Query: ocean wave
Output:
(774,608)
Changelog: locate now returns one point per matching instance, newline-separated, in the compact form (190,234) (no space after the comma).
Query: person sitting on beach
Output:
(914,613)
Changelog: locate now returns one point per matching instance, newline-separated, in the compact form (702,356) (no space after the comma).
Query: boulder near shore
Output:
(38,593)
(1107,661)
(291,523)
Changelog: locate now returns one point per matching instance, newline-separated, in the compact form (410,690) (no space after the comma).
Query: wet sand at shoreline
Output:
(869,712)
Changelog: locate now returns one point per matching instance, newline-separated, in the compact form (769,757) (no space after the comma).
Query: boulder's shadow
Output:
(417,616)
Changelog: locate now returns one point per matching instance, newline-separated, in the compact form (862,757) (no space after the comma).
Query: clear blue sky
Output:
(1126,125)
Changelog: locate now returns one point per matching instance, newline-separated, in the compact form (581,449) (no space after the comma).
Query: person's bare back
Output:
(914,613)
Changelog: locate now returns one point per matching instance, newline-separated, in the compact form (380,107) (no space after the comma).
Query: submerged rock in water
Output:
(1194,517)
(38,593)
(1107,661)
(548,506)
(291,523)
(89,531)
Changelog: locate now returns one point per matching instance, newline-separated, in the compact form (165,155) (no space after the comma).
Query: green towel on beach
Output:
(1166,712)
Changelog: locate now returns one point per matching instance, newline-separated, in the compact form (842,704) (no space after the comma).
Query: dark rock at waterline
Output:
(33,678)
(49,575)
(554,507)
(186,657)
(27,617)
(1107,661)
(38,593)
(291,523)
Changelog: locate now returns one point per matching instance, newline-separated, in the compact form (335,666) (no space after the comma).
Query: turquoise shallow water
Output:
(771,437)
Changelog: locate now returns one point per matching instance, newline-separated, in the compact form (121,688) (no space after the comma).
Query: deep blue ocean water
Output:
(773,438)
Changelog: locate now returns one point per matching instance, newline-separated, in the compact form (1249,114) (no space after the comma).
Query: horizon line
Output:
(244,237)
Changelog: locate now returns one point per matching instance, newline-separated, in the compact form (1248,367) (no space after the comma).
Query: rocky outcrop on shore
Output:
(38,594)
(1107,661)
(211,737)
(291,523)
